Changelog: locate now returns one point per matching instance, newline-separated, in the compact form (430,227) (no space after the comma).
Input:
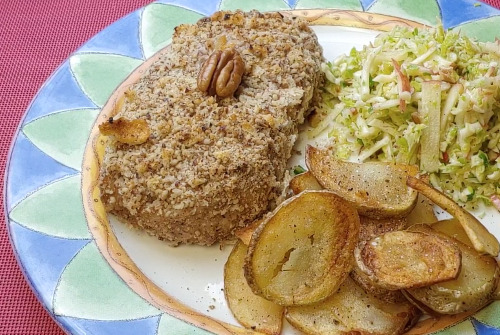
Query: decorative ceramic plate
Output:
(97,276)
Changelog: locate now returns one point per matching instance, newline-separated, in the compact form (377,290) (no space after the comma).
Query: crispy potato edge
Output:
(259,315)
(344,258)
(323,165)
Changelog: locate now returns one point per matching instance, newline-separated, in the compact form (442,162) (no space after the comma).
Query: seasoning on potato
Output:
(370,287)
(304,181)
(371,228)
(353,311)
(304,251)
(473,289)
(251,310)
(483,241)
(376,189)
(402,259)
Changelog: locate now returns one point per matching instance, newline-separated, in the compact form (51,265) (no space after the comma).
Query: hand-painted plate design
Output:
(100,277)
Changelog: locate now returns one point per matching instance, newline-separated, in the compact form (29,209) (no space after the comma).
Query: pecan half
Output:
(221,73)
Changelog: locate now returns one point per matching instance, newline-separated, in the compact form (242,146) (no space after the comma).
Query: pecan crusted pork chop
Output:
(216,152)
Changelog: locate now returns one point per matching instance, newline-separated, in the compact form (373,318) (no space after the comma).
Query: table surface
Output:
(37,36)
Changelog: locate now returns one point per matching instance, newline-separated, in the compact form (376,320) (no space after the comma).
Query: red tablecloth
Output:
(35,37)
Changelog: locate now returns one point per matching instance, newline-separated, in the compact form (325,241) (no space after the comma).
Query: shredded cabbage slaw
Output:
(375,100)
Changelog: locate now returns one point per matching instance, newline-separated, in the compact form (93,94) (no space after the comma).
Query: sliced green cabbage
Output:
(373,107)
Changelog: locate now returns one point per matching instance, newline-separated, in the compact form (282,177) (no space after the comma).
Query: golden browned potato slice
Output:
(304,181)
(302,252)
(482,240)
(250,310)
(496,294)
(245,233)
(452,228)
(370,228)
(473,289)
(423,212)
(370,287)
(376,189)
(352,311)
(404,259)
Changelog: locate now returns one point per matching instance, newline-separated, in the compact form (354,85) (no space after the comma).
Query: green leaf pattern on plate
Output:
(55,210)
(169,325)
(483,30)
(489,315)
(249,5)
(342,4)
(102,297)
(158,23)
(424,11)
(99,74)
(464,327)
(62,135)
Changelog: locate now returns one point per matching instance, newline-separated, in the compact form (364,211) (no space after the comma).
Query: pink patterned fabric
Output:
(494,3)
(35,37)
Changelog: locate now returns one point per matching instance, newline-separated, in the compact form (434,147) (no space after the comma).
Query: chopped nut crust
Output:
(213,164)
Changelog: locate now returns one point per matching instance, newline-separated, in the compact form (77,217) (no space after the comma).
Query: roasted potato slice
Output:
(304,181)
(496,294)
(403,259)
(473,289)
(352,311)
(482,240)
(423,212)
(252,311)
(452,228)
(370,287)
(304,250)
(377,189)
(370,228)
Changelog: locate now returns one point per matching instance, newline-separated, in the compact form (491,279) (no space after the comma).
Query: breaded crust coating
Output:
(212,164)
